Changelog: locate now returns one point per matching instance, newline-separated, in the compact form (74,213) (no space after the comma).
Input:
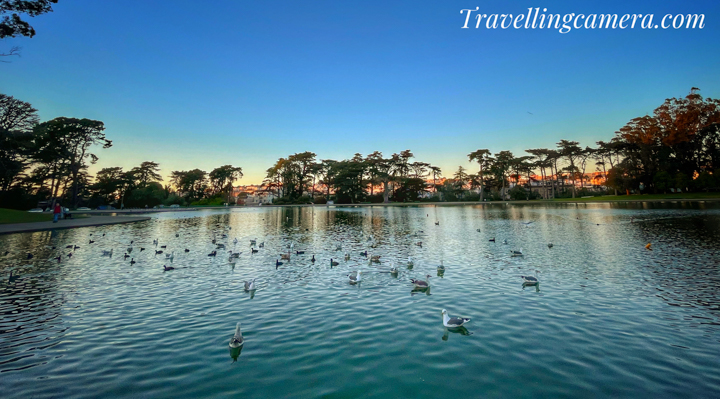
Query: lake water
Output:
(610,318)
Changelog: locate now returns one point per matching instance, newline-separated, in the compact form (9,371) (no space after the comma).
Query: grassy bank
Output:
(13,216)
(8,216)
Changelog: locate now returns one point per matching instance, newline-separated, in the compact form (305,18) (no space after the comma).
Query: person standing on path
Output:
(56,212)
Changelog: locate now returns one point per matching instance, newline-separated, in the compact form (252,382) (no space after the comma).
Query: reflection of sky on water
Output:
(609,313)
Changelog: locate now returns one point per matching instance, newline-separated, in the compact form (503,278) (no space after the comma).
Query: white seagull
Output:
(453,322)
(237,340)
(355,277)
(249,286)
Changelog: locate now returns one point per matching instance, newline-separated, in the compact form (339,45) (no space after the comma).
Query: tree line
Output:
(677,147)
(41,162)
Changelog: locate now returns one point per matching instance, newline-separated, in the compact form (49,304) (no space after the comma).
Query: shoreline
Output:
(381,204)
(29,227)
(463,203)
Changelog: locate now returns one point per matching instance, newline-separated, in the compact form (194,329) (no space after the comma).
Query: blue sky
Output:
(248,82)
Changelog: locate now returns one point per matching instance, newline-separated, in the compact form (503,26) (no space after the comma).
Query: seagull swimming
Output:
(237,339)
(531,280)
(250,285)
(393,269)
(421,283)
(453,322)
(355,277)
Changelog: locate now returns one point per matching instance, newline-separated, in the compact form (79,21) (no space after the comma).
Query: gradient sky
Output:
(192,84)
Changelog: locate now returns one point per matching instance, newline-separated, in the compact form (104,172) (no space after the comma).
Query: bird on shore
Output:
(531,280)
(168,268)
(355,277)
(453,322)
(237,340)
(421,283)
(250,285)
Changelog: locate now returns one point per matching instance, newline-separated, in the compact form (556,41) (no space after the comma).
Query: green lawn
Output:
(13,216)
(645,197)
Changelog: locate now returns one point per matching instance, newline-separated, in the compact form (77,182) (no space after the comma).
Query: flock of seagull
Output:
(354,277)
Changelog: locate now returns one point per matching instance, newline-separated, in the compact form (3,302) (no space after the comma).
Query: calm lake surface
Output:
(609,318)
